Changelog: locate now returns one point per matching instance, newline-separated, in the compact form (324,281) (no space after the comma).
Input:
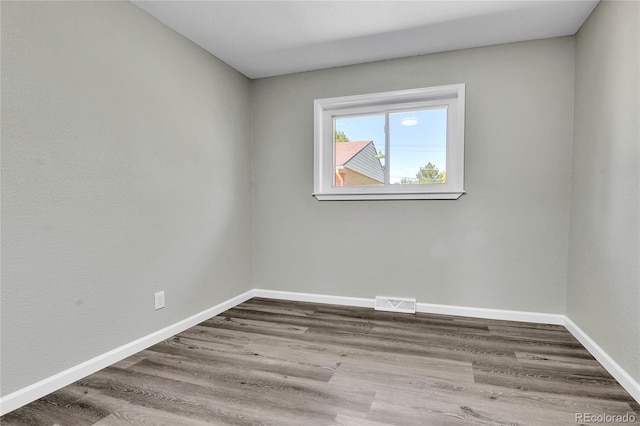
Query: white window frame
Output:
(452,97)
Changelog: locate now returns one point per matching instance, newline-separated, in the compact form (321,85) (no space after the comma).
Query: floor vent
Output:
(395,304)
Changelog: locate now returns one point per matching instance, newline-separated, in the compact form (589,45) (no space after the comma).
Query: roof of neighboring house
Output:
(345,151)
(360,157)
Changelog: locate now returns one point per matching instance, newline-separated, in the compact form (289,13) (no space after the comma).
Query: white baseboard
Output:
(420,307)
(37,390)
(603,358)
(44,387)
(497,314)
(315,298)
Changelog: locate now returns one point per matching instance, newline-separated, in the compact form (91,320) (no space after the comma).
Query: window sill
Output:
(391,196)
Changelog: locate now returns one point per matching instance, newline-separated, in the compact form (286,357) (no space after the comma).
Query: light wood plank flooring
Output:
(291,363)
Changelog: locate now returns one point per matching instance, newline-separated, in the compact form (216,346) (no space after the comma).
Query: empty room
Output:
(320,212)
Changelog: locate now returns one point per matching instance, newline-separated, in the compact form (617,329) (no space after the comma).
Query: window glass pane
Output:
(359,150)
(418,146)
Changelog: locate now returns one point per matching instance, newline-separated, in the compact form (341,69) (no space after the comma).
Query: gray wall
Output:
(125,171)
(603,296)
(502,245)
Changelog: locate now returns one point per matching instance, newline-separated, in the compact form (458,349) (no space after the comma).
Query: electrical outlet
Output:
(159,296)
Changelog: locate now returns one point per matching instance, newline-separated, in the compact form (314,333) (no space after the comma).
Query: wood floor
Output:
(291,363)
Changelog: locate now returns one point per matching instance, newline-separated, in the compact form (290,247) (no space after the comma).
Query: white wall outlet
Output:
(159,300)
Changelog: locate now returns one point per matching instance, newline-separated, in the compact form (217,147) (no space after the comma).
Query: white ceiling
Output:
(266,38)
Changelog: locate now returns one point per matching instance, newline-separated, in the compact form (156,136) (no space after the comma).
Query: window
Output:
(406,144)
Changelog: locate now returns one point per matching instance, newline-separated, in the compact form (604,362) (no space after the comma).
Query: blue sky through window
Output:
(416,138)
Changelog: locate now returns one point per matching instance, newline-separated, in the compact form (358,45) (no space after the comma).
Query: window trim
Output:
(453,96)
